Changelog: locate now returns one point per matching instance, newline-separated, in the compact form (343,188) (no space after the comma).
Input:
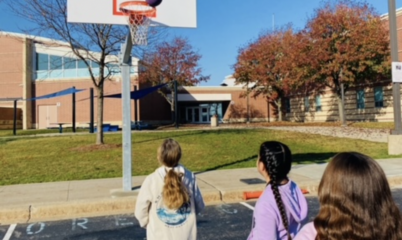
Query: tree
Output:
(270,63)
(349,46)
(98,43)
(171,61)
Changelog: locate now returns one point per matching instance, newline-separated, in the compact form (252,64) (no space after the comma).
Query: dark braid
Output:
(276,173)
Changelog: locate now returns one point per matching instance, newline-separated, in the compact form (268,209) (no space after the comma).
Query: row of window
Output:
(360,100)
(57,67)
(378,98)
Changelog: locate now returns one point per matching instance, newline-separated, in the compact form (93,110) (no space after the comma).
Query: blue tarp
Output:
(56,94)
(138,94)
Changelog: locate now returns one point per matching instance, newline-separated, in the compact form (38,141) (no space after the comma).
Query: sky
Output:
(224,26)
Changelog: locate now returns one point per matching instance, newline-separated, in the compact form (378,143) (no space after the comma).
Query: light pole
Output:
(396,92)
(248,104)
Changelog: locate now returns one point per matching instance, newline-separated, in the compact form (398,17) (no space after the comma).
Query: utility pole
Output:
(396,90)
(343,106)
(395,138)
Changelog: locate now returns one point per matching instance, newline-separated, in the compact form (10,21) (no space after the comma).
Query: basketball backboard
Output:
(170,13)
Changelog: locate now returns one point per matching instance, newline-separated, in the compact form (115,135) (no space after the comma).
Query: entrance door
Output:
(204,114)
(192,114)
(47,115)
(197,114)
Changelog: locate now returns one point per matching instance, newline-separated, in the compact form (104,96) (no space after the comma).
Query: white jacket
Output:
(163,223)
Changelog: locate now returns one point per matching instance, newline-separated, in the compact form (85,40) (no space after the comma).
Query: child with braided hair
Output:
(282,206)
(169,198)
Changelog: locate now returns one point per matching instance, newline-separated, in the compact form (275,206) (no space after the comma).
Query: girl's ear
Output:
(261,166)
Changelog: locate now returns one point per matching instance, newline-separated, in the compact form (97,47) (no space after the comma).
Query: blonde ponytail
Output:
(174,191)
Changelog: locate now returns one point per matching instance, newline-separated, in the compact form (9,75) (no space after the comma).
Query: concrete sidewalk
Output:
(73,199)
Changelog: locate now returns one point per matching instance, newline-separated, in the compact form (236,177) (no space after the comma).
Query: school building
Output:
(33,66)
(372,102)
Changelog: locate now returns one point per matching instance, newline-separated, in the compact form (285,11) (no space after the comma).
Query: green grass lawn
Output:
(373,125)
(8,133)
(74,157)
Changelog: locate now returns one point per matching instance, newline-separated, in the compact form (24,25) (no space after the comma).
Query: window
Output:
(287,104)
(378,97)
(42,62)
(59,67)
(56,62)
(56,66)
(112,68)
(70,63)
(360,99)
(70,67)
(81,64)
(318,107)
(306,104)
(94,64)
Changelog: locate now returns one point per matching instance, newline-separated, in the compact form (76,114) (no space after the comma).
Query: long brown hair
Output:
(174,191)
(277,160)
(356,201)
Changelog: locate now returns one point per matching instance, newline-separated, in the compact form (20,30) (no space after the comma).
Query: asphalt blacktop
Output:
(87,198)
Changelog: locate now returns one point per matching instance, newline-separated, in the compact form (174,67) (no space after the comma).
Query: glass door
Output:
(197,114)
(204,114)
(189,115)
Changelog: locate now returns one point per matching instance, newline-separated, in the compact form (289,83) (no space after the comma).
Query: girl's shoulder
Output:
(187,173)
(307,232)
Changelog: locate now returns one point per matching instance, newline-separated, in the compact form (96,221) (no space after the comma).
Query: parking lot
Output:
(222,221)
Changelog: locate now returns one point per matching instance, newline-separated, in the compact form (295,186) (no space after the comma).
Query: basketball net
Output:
(138,15)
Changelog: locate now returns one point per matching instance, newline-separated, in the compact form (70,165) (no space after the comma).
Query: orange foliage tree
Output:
(171,61)
(271,65)
(349,45)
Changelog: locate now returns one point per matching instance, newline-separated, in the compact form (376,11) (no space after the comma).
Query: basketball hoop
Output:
(138,19)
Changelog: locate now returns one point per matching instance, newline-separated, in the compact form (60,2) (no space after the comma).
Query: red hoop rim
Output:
(151,12)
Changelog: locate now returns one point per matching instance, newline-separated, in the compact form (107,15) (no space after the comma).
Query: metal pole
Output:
(91,110)
(15,118)
(396,92)
(248,106)
(176,111)
(269,111)
(125,64)
(343,106)
(73,99)
(135,108)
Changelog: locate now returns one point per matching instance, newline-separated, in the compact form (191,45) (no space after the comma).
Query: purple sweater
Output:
(308,232)
(267,221)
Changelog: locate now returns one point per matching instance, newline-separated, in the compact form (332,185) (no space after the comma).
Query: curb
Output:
(68,210)
(125,204)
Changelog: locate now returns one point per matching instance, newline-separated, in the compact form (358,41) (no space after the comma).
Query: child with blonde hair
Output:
(169,198)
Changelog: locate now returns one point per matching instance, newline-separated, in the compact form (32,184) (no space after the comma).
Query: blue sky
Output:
(226,25)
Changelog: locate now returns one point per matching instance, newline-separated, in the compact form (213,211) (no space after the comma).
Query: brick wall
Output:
(112,106)
(11,67)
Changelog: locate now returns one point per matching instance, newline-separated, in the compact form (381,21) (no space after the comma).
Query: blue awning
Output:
(138,94)
(56,94)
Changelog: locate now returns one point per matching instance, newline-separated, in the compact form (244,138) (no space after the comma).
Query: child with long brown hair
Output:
(169,198)
(355,202)
(282,206)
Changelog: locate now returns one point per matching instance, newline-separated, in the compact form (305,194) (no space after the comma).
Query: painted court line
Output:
(247,205)
(10,232)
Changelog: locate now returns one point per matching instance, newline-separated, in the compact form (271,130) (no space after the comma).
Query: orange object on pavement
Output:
(257,194)
(251,195)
